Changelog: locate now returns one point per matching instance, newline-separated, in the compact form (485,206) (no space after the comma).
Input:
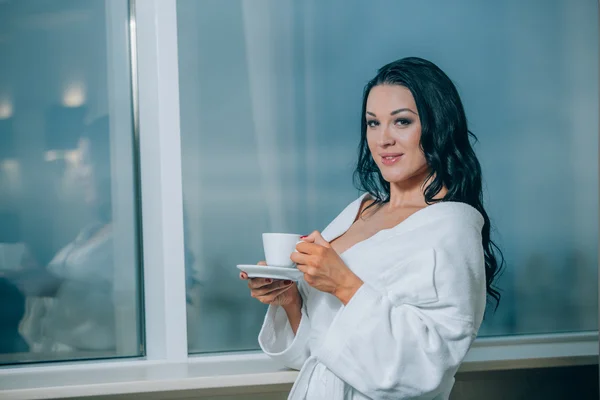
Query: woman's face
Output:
(394,133)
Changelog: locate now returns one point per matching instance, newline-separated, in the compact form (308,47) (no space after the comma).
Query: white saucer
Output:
(265,271)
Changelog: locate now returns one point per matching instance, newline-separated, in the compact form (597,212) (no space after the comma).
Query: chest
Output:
(366,226)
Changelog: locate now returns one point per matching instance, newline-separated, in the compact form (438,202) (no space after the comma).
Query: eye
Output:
(403,121)
(372,123)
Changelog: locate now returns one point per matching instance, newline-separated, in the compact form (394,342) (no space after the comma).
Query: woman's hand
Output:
(324,269)
(273,291)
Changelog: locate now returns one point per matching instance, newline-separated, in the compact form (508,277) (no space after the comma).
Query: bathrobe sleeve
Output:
(277,339)
(405,336)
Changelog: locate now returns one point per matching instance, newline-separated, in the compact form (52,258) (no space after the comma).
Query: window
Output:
(270,128)
(253,105)
(68,217)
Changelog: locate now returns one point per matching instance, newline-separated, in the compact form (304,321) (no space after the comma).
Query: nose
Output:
(386,138)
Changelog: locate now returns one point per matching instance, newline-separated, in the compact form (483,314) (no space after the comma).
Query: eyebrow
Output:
(395,112)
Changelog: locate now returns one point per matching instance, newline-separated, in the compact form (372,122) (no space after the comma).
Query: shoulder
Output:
(453,229)
(460,232)
(452,232)
(459,258)
(457,215)
(447,225)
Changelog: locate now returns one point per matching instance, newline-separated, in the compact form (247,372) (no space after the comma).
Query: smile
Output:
(389,159)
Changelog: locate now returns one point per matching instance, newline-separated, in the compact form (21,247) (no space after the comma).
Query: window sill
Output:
(532,351)
(202,373)
(254,372)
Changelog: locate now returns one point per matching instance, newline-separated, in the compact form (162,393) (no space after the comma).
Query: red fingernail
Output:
(269,280)
(287,282)
(302,237)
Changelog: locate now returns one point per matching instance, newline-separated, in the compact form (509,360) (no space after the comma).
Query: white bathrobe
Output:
(405,332)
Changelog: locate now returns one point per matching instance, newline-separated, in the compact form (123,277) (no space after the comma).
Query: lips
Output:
(390,158)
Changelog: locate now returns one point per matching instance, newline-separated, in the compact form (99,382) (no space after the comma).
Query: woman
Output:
(78,313)
(394,289)
(87,289)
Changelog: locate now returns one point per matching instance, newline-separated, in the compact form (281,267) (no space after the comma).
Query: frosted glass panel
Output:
(68,217)
(270,116)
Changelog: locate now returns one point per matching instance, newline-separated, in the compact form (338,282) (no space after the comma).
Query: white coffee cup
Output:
(278,248)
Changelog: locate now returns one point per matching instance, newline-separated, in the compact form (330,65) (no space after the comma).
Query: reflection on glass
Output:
(270,125)
(68,254)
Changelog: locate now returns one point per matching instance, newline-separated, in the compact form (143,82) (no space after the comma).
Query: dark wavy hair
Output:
(445,141)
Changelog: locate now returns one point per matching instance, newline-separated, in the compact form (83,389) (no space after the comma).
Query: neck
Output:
(410,192)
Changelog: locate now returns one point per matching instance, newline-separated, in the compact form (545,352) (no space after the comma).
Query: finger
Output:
(309,279)
(277,285)
(308,270)
(300,257)
(243,275)
(318,239)
(308,250)
(269,298)
(255,283)
(303,268)
(308,238)
(262,263)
